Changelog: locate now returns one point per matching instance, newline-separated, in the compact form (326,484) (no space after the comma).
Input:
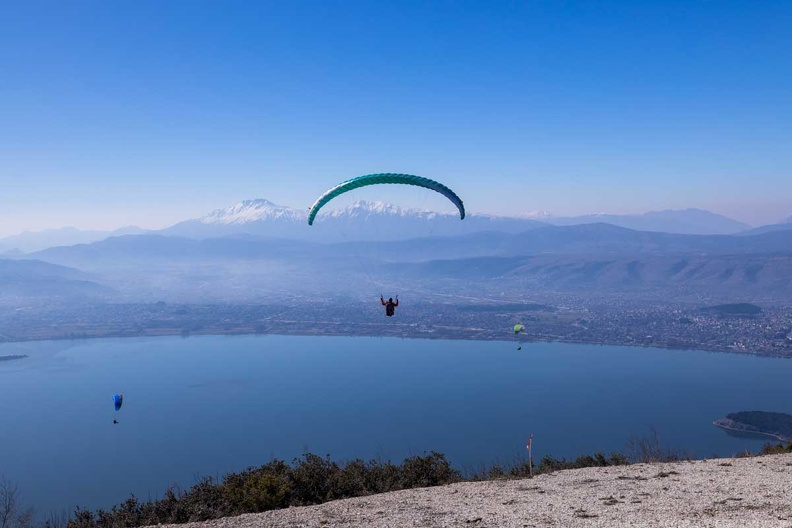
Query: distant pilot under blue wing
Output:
(118,400)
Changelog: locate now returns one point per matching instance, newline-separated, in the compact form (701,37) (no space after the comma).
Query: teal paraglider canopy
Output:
(385,178)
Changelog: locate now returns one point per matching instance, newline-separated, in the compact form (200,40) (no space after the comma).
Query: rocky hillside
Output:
(742,492)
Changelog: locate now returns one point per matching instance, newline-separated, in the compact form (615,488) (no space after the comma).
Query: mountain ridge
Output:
(579,239)
(680,221)
(364,220)
(30,241)
(28,278)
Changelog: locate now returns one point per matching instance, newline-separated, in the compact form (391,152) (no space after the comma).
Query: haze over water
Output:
(210,405)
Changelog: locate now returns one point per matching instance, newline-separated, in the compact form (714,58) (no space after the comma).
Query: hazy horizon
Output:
(154,225)
(149,114)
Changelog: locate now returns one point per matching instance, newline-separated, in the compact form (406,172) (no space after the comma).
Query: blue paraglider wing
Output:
(118,399)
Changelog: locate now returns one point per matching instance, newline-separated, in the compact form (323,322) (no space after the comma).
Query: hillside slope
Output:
(742,492)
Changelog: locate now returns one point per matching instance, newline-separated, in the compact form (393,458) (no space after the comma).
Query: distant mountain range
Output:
(30,241)
(383,222)
(683,221)
(379,221)
(586,239)
(32,279)
(591,257)
(134,249)
(735,275)
(781,226)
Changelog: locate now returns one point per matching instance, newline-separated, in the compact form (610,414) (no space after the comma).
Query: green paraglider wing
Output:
(377,179)
(518,328)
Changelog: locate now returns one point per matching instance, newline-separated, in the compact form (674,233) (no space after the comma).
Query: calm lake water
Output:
(210,405)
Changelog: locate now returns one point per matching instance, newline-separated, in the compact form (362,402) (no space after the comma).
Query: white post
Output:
(530,456)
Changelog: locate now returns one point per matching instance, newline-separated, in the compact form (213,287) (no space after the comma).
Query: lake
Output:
(213,404)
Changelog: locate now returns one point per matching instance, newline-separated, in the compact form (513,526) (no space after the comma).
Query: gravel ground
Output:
(741,492)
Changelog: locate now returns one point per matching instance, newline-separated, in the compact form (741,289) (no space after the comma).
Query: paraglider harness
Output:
(390,305)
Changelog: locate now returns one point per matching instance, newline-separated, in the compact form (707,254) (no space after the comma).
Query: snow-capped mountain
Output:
(253,211)
(362,210)
(361,220)
(263,210)
(364,220)
(536,215)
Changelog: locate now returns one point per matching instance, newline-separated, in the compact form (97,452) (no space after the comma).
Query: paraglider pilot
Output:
(118,400)
(390,305)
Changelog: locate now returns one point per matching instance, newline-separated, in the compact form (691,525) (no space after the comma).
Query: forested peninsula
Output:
(777,425)
(9,358)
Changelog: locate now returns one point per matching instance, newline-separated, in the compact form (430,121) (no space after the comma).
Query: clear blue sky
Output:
(146,113)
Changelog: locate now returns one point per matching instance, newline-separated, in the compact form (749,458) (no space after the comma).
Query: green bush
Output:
(311,479)
(257,490)
(432,470)
(776,449)
(548,464)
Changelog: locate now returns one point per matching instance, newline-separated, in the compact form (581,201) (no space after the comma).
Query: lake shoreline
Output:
(732,425)
(12,357)
(472,335)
